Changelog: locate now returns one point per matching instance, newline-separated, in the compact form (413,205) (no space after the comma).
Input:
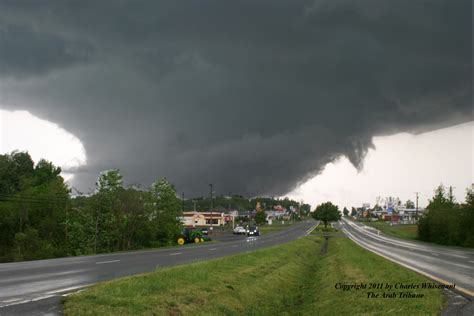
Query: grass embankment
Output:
(405,231)
(274,227)
(293,278)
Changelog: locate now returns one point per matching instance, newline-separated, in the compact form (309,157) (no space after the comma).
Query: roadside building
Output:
(408,215)
(394,218)
(203,219)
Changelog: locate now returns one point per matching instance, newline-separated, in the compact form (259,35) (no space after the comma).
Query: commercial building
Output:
(203,219)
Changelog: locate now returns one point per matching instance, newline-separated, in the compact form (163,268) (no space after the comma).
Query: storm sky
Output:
(253,96)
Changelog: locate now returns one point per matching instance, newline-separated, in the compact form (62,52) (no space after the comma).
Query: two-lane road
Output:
(27,283)
(448,265)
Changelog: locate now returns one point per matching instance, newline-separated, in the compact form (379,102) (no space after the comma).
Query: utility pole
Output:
(416,214)
(182,197)
(451,196)
(210,221)
(194,201)
(230,200)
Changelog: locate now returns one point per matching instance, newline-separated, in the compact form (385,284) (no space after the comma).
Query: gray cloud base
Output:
(253,96)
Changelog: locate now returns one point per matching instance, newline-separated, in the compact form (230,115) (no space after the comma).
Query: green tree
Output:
(327,212)
(15,168)
(466,227)
(260,218)
(108,218)
(33,204)
(345,211)
(444,222)
(409,204)
(440,199)
(109,181)
(167,210)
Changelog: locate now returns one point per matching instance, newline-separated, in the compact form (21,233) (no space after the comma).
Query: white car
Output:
(239,230)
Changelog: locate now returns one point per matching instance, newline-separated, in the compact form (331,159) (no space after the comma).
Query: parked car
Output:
(253,231)
(239,230)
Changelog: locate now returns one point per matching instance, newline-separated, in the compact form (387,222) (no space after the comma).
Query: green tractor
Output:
(191,236)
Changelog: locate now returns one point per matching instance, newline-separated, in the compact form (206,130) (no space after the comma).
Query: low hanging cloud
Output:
(252,96)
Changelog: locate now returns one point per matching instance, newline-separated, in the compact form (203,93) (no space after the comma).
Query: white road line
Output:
(70,293)
(12,300)
(111,261)
(15,303)
(212,249)
(42,298)
(22,301)
(68,289)
(310,230)
(176,253)
(472,261)
(434,254)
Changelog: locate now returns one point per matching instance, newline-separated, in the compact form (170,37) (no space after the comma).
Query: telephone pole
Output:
(210,221)
(182,195)
(416,213)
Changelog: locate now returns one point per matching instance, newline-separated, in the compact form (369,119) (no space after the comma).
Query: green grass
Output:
(290,279)
(405,231)
(321,229)
(275,227)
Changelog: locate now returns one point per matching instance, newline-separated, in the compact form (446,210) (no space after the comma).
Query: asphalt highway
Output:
(448,265)
(36,287)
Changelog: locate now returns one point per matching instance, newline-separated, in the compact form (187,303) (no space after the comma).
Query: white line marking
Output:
(310,230)
(472,261)
(42,298)
(12,300)
(176,253)
(111,261)
(68,289)
(16,303)
(70,293)
(434,254)
(212,249)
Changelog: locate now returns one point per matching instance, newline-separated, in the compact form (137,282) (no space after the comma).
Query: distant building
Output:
(408,215)
(279,208)
(275,215)
(203,219)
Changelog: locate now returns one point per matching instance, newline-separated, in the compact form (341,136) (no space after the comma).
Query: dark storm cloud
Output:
(253,96)
(25,52)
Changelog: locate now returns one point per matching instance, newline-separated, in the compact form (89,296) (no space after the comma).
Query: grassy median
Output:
(275,227)
(291,279)
(404,231)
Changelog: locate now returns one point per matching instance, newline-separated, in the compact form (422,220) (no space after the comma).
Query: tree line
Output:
(447,222)
(39,219)
(241,203)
